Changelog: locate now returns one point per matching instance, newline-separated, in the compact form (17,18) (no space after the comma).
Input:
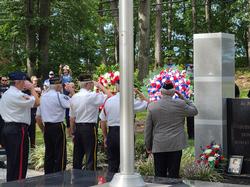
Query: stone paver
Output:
(30,173)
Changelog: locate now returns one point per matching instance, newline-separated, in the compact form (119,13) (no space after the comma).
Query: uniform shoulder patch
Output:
(26,97)
(66,97)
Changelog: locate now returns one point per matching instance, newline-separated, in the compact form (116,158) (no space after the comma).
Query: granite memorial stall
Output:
(213,83)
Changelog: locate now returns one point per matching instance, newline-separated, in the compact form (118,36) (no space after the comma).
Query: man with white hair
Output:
(164,130)
(15,111)
(51,113)
(84,110)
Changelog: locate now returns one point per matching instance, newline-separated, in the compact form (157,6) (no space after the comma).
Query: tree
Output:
(248,38)
(30,37)
(158,28)
(115,14)
(170,19)
(43,45)
(208,14)
(194,20)
(144,31)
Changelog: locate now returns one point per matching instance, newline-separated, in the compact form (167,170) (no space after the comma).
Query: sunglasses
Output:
(4,80)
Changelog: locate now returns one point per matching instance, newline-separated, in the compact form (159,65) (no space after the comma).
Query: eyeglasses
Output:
(51,74)
(4,80)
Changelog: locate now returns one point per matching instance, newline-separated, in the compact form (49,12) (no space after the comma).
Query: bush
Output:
(201,171)
(145,167)
(37,157)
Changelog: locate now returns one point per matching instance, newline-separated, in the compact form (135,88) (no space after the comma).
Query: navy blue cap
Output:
(17,75)
(168,85)
(55,80)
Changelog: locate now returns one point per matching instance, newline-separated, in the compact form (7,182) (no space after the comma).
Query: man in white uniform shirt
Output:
(52,114)
(83,117)
(15,111)
(111,114)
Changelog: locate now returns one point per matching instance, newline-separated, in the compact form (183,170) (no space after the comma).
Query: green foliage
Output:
(195,171)
(37,157)
(145,167)
(241,62)
(140,151)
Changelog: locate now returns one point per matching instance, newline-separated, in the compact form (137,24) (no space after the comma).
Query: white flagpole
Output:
(127,177)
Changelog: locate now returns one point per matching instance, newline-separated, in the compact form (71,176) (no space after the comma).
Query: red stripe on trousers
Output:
(21,156)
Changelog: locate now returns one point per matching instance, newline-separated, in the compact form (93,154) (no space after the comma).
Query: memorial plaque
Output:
(238,123)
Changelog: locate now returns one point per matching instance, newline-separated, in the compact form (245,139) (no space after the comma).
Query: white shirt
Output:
(52,106)
(111,110)
(85,106)
(16,106)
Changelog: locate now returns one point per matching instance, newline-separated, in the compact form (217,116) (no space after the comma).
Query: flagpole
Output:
(127,177)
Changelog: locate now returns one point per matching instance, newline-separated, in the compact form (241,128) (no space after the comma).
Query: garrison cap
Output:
(85,78)
(17,75)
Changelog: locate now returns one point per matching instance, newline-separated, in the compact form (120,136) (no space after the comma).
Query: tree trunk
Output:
(144,42)
(102,32)
(248,41)
(208,14)
(115,14)
(170,18)
(194,20)
(30,38)
(158,27)
(43,45)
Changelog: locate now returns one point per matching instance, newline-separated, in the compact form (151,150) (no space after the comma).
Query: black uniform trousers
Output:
(32,128)
(113,149)
(55,147)
(85,141)
(16,143)
(1,128)
(167,164)
(190,127)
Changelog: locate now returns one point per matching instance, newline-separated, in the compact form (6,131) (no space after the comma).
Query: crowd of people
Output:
(24,104)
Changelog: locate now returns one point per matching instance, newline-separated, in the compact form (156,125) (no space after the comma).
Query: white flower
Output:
(211,158)
(117,73)
(216,155)
(208,151)
(216,146)
(106,76)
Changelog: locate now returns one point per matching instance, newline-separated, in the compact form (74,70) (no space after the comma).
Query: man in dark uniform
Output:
(83,117)
(15,110)
(52,114)
(4,86)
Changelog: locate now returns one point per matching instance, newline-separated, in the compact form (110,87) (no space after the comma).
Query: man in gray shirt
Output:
(164,131)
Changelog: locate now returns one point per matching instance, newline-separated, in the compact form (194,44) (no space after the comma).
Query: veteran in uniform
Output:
(15,111)
(4,86)
(83,117)
(51,114)
(164,132)
(110,116)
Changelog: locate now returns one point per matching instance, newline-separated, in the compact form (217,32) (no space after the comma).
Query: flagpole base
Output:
(121,180)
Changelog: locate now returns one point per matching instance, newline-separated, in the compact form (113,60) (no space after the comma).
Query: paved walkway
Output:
(30,173)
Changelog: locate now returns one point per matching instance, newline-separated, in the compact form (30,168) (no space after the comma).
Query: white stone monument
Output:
(213,82)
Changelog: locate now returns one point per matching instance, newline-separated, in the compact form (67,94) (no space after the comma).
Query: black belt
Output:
(85,124)
(17,124)
(114,127)
(50,123)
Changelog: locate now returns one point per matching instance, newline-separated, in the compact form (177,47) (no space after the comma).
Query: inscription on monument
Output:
(238,118)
